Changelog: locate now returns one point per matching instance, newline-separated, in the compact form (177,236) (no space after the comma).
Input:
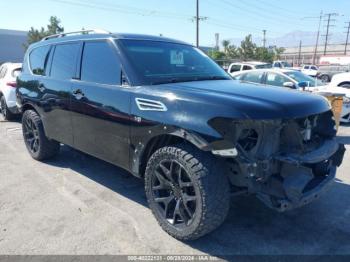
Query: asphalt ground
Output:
(77,204)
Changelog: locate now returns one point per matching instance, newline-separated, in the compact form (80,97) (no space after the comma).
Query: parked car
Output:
(281,64)
(234,67)
(326,73)
(295,80)
(165,112)
(8,74)
(279,77)
(342,80)
(310,70)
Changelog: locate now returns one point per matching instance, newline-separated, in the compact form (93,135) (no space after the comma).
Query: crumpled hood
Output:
(252,101)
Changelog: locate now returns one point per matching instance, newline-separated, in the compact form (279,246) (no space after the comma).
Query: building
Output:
(306,54)
(11,45)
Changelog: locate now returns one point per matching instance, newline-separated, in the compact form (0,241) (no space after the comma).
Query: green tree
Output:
(247,49)
(216,54)
(35,35)
(226,44)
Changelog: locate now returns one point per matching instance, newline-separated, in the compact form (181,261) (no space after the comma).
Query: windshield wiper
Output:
(179,80)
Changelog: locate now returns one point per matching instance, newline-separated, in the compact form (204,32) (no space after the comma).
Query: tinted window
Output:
(314,68)
(235,68)
(254,77)
(38,59)
(64,61)
(306,67)
(246,67)
(100,64)
(3,71)
(158,62)
(275,79)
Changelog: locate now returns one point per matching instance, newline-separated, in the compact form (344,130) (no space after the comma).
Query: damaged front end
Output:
(286,163)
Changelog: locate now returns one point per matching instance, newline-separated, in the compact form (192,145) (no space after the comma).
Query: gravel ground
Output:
(77,204)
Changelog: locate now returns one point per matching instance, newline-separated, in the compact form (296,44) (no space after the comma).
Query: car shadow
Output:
(250,228)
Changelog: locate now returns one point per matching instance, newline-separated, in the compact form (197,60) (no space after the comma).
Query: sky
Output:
(174,18)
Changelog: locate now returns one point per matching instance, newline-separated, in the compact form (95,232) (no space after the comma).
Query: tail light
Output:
(12,84)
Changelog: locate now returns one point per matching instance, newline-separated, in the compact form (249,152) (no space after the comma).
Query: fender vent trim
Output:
(150,105)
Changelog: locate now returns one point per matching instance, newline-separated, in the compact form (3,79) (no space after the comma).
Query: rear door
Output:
(100,105)
(56,89)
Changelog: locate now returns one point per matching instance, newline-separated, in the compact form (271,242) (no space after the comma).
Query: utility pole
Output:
(347,36)
(299,55)
(197,23)
(198,18)
(217,41)
(329,20)
(264,38)
(317,37)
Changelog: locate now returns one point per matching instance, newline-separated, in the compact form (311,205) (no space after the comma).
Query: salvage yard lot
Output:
(77,204)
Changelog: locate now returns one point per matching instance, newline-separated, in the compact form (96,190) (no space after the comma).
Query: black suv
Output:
(164,111)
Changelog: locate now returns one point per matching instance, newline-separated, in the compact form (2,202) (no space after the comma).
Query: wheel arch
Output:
(140,160)
(344,83)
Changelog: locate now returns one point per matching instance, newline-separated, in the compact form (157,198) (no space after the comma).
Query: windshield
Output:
(158,62)
(263,66)
(300,77)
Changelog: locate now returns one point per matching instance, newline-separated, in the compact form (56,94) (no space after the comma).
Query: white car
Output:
(243,66)
(8,75)
(296,80)
(342,79)
(310,70)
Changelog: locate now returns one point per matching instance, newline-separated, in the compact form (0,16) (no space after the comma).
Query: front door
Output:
(100,105)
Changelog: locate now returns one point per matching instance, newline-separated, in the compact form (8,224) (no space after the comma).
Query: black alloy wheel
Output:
(174,193)
(31,135)
(187,190)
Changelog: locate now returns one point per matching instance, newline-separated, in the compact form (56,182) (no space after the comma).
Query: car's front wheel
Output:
(187,191)
(39,146)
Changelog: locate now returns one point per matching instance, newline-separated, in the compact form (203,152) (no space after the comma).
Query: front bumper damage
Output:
(285,163)
(301,183)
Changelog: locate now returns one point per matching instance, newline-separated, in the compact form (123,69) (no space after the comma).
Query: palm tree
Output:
(226,44)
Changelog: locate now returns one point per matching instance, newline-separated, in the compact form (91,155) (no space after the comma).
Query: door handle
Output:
(78,93)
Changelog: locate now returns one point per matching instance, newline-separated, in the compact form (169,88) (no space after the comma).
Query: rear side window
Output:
(38,59)
(254,77)
(246,67)
(3,71)
(235,68)
(100,64)
(64,61)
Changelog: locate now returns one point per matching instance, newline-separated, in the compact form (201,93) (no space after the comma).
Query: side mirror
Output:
(303,85)
(289,85)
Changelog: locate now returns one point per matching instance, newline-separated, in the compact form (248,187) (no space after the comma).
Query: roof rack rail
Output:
(94,31)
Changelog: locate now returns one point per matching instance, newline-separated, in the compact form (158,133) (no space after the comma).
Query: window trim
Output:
(45,62)
(50,59)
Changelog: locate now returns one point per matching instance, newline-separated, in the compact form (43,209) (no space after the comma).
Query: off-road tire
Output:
(6,113)
(209,178)
(47,148)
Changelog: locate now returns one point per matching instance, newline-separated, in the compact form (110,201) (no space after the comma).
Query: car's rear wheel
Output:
(187,191)
(39,146)
(325,78)
(6,113)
